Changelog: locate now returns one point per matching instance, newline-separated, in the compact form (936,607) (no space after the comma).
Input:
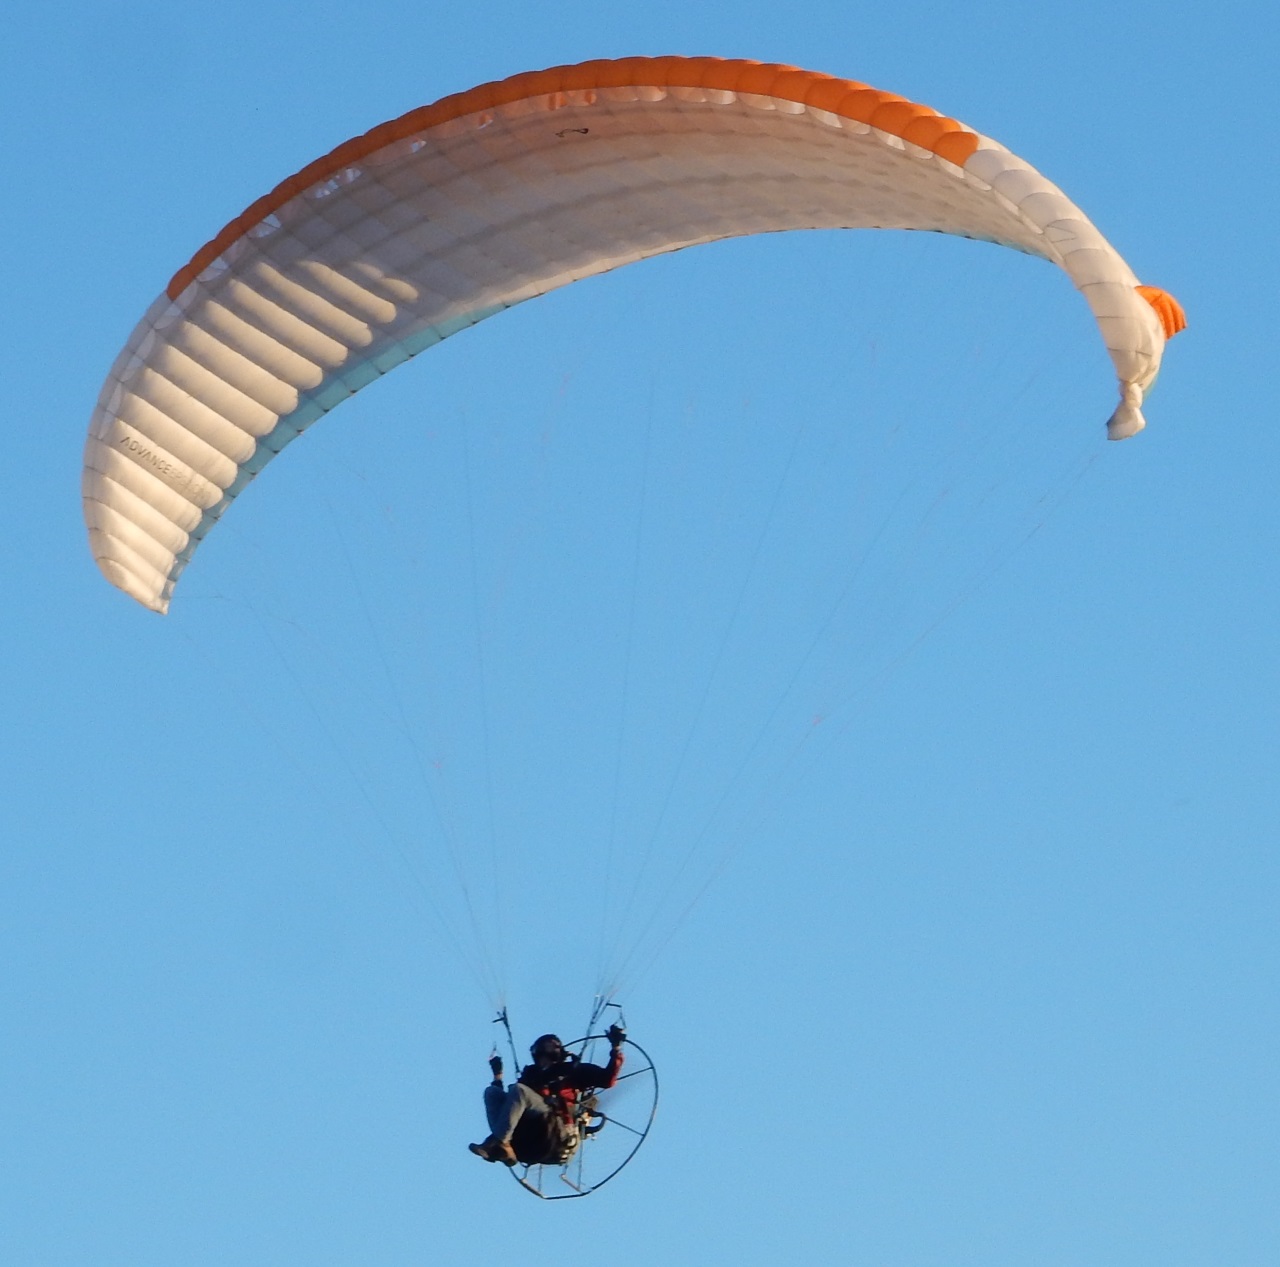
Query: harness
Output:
(571,1109)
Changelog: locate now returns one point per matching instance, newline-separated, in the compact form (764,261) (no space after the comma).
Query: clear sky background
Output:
(981,966)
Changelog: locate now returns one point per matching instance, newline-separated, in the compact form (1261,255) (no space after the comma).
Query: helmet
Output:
(539,1044)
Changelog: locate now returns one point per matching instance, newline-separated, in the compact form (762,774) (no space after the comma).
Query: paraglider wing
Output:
(434,221)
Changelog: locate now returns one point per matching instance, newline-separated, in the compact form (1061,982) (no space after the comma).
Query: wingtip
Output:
(1125,422)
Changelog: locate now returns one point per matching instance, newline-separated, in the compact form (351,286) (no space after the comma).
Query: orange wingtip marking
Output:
(1168,309)
(845,97)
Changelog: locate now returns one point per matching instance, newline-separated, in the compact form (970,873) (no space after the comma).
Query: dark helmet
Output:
(541,1044)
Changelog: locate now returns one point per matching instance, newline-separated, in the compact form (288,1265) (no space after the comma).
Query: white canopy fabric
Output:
(435,221)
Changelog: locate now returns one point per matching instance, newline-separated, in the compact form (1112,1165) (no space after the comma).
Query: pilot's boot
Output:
(495,1149)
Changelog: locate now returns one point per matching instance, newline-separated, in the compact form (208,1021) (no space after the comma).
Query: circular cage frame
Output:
(539,1179)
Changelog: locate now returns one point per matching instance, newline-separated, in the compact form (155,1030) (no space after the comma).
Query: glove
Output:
(495,1063)
(616,1035)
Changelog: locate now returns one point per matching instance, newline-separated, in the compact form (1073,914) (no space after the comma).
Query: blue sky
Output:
(981,964)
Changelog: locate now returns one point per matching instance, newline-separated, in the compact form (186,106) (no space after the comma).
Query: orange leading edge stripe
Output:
(886,111)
